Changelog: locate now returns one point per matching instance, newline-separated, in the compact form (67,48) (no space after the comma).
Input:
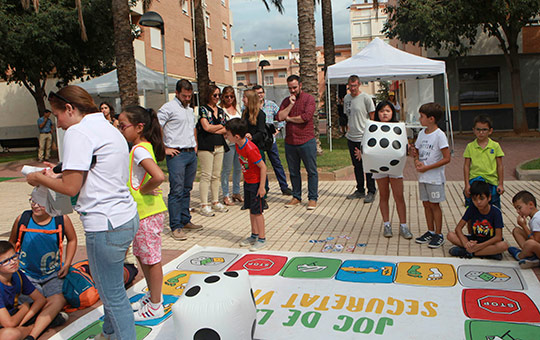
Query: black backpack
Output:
(269,132)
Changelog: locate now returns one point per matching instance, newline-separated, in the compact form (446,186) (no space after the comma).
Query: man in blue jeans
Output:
(300,145)
(178,123)
(271,109)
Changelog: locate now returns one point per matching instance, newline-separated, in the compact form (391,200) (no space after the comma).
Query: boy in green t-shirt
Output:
(483,161)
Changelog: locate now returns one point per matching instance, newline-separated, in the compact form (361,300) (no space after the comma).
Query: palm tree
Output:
(308,55)
(330,59)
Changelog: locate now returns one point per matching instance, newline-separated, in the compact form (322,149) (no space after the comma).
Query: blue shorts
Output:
(251,200)
(495,197)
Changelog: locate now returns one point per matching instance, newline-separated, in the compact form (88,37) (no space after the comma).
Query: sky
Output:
(253,24)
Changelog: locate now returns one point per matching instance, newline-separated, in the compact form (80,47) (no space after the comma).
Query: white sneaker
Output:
(141,302)
(219,207)
(248,241)
(257,246)
(207,211)
(147,312)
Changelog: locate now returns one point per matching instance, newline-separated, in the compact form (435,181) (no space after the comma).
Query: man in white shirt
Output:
(358,108)
(178,123)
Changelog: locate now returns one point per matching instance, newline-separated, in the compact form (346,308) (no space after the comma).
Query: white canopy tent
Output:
(380,61)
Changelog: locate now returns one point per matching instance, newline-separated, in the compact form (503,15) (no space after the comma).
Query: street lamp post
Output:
(153,19)
(262,64)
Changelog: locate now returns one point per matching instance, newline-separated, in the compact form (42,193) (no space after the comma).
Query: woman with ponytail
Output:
(141,127)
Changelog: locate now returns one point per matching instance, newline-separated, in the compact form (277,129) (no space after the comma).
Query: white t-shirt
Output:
(104,195)
(357,110)
(429,152)
(139,155)
(534,223)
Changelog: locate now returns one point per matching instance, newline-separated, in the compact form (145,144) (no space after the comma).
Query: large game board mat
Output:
(349,296)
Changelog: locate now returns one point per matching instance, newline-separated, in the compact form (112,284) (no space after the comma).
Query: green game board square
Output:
(311,268)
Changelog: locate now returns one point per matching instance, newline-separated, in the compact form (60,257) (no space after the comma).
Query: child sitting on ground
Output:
(254,170)
(528,237)
(485,238)
(21,320)
(483,161)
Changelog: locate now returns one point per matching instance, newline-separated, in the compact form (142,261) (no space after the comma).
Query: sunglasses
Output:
(216,95)
(53,94)
(15,257)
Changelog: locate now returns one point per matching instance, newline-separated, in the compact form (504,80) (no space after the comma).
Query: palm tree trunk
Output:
(123,48)
(201,58)
(330,59)
(308,56)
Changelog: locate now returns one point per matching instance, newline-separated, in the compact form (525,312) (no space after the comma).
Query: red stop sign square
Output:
(499,305)
(260,264)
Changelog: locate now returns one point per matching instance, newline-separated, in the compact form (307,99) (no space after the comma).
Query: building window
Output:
(185,8)
(209,55)
(281,57)
(282,74)
(269,80)
(226,61)
(155,38)
(362,29)
(240,77)
(479,85)
(224,29)
(245,59)
(207,19)
(361,44)
(187,48)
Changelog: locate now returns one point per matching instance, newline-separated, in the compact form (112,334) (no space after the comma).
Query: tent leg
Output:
(449,128)
(328,114)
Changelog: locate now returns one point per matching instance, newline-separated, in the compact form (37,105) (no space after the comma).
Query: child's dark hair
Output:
(484,119)
(237,126)
(151,131)
(480,188)
(434,110)
(5,246)
(380,106)
(525,197)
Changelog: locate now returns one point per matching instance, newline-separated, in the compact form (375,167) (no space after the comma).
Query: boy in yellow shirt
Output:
(483,161)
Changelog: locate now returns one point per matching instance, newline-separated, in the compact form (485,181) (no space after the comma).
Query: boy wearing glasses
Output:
(483,161)
(18,320)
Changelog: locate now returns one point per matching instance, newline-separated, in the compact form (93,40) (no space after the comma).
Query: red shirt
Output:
(297,134)
(249,155)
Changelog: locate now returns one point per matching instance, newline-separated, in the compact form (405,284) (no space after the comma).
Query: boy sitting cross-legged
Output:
(528,237)
(254,171)
(485,231)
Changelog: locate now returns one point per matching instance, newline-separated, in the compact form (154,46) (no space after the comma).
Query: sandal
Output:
(237,198)
(227,201)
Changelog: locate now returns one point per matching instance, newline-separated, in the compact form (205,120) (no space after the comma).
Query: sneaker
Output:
(191,226)
(293,203)
(460,252)
(424,238)
(405,232)
(529,262)
(370,197)
(103,336)
(514,251)
(257,246)
(179,234)
(265,205)
(207,211)
(436,241)
(248,241)
(387,230)
(147,312)
(497,257)
(59,320)
(219,207)
(356,195)
(135,306)
(287,192)
(312,205)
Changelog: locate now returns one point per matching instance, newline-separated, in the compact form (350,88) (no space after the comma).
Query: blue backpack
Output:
(79,288)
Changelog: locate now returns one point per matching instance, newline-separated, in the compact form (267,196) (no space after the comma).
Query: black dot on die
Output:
(372,142)
(397,130)
(384,143)
(372,128)
(212,279)
(394,162)
(396,145)
(385,128)
(206,334)
(384,168)
(374,171)
(253,298)
(253,328)
(231,274)
(193,291)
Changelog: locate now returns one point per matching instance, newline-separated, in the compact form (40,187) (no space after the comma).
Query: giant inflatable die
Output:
(384,148)
(216,306)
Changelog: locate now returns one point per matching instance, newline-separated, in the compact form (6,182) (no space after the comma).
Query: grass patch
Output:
(16,156)
(532,165)
(329,161)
